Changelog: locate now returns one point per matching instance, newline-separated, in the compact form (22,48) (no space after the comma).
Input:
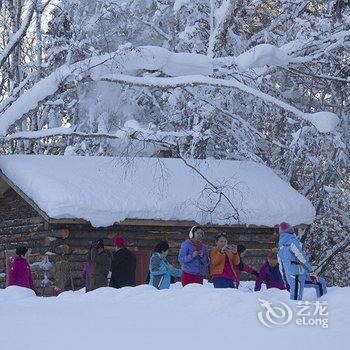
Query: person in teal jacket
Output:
(160,269)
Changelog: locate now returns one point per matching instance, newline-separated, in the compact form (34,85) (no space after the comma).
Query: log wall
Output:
(72,241)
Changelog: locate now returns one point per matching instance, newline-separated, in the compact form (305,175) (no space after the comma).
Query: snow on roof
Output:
(105,190)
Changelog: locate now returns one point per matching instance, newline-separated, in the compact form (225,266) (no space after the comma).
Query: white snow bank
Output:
(104,190)
(262,55)
(15,293)
(195,317)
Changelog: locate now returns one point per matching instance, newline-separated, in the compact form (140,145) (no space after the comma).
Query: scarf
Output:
(198,244)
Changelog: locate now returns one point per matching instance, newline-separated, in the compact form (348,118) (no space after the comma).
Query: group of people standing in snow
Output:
(287,267)
(225,262)
(121,264)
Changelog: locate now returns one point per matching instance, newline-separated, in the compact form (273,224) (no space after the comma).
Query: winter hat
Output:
(241,248)
(21,251)
(286,228)
(273,254)
(193,230)
(98,244)
(119,241)
(219,235)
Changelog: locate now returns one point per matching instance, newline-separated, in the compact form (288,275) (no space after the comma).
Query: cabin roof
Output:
(108,190)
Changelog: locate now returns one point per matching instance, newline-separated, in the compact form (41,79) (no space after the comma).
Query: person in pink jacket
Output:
(19,273)
(241,250)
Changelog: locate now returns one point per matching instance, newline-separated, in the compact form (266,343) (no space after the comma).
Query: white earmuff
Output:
(191,234)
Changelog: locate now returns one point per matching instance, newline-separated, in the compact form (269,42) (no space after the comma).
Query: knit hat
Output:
(21,251)
(273,254)
(241,248)
(97,244)
(286,228)
(119,241)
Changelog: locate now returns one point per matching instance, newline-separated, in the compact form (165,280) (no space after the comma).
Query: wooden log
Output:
(24,196)
(17,230)
(79,251)
(35,235)
(21,222)
(9,254)
(62,249)
(61,233)
(48,241)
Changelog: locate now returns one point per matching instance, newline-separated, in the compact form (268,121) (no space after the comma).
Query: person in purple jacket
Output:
(19,273)
(193,257)
(270,273)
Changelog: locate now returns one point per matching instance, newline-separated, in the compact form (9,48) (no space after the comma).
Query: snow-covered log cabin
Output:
(57,205)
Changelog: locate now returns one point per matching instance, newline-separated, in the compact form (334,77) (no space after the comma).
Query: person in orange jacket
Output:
(222,261)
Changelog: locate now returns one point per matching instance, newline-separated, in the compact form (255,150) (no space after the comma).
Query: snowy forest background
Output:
(101,77)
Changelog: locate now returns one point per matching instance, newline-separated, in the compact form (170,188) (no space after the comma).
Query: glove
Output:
(313,277)
(255,273)
(288,287)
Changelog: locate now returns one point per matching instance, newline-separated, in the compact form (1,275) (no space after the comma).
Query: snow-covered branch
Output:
(151,58)
(339,247)
(300,6)
(323,121)
(18,36)
(131,130)
(219,191)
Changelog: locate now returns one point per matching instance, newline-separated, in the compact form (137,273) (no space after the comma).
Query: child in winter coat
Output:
(222,262)
(20,274)
(241,249)
(194,257)
(270,273)
(296,269)
(63,277)
(100,265)
(160,269)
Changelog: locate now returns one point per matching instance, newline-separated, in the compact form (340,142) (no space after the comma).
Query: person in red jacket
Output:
(19,273)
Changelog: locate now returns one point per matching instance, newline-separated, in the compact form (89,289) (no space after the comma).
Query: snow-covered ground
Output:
(194,317)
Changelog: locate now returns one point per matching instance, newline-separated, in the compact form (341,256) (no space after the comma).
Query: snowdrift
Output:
(195,317)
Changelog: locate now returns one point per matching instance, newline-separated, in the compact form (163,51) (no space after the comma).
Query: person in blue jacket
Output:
(160,269)
(296,269)
(194,257)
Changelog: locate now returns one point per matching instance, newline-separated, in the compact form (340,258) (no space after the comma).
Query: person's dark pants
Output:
(222,282)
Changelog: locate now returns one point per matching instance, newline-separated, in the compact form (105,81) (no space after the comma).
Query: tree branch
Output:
(18,36)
